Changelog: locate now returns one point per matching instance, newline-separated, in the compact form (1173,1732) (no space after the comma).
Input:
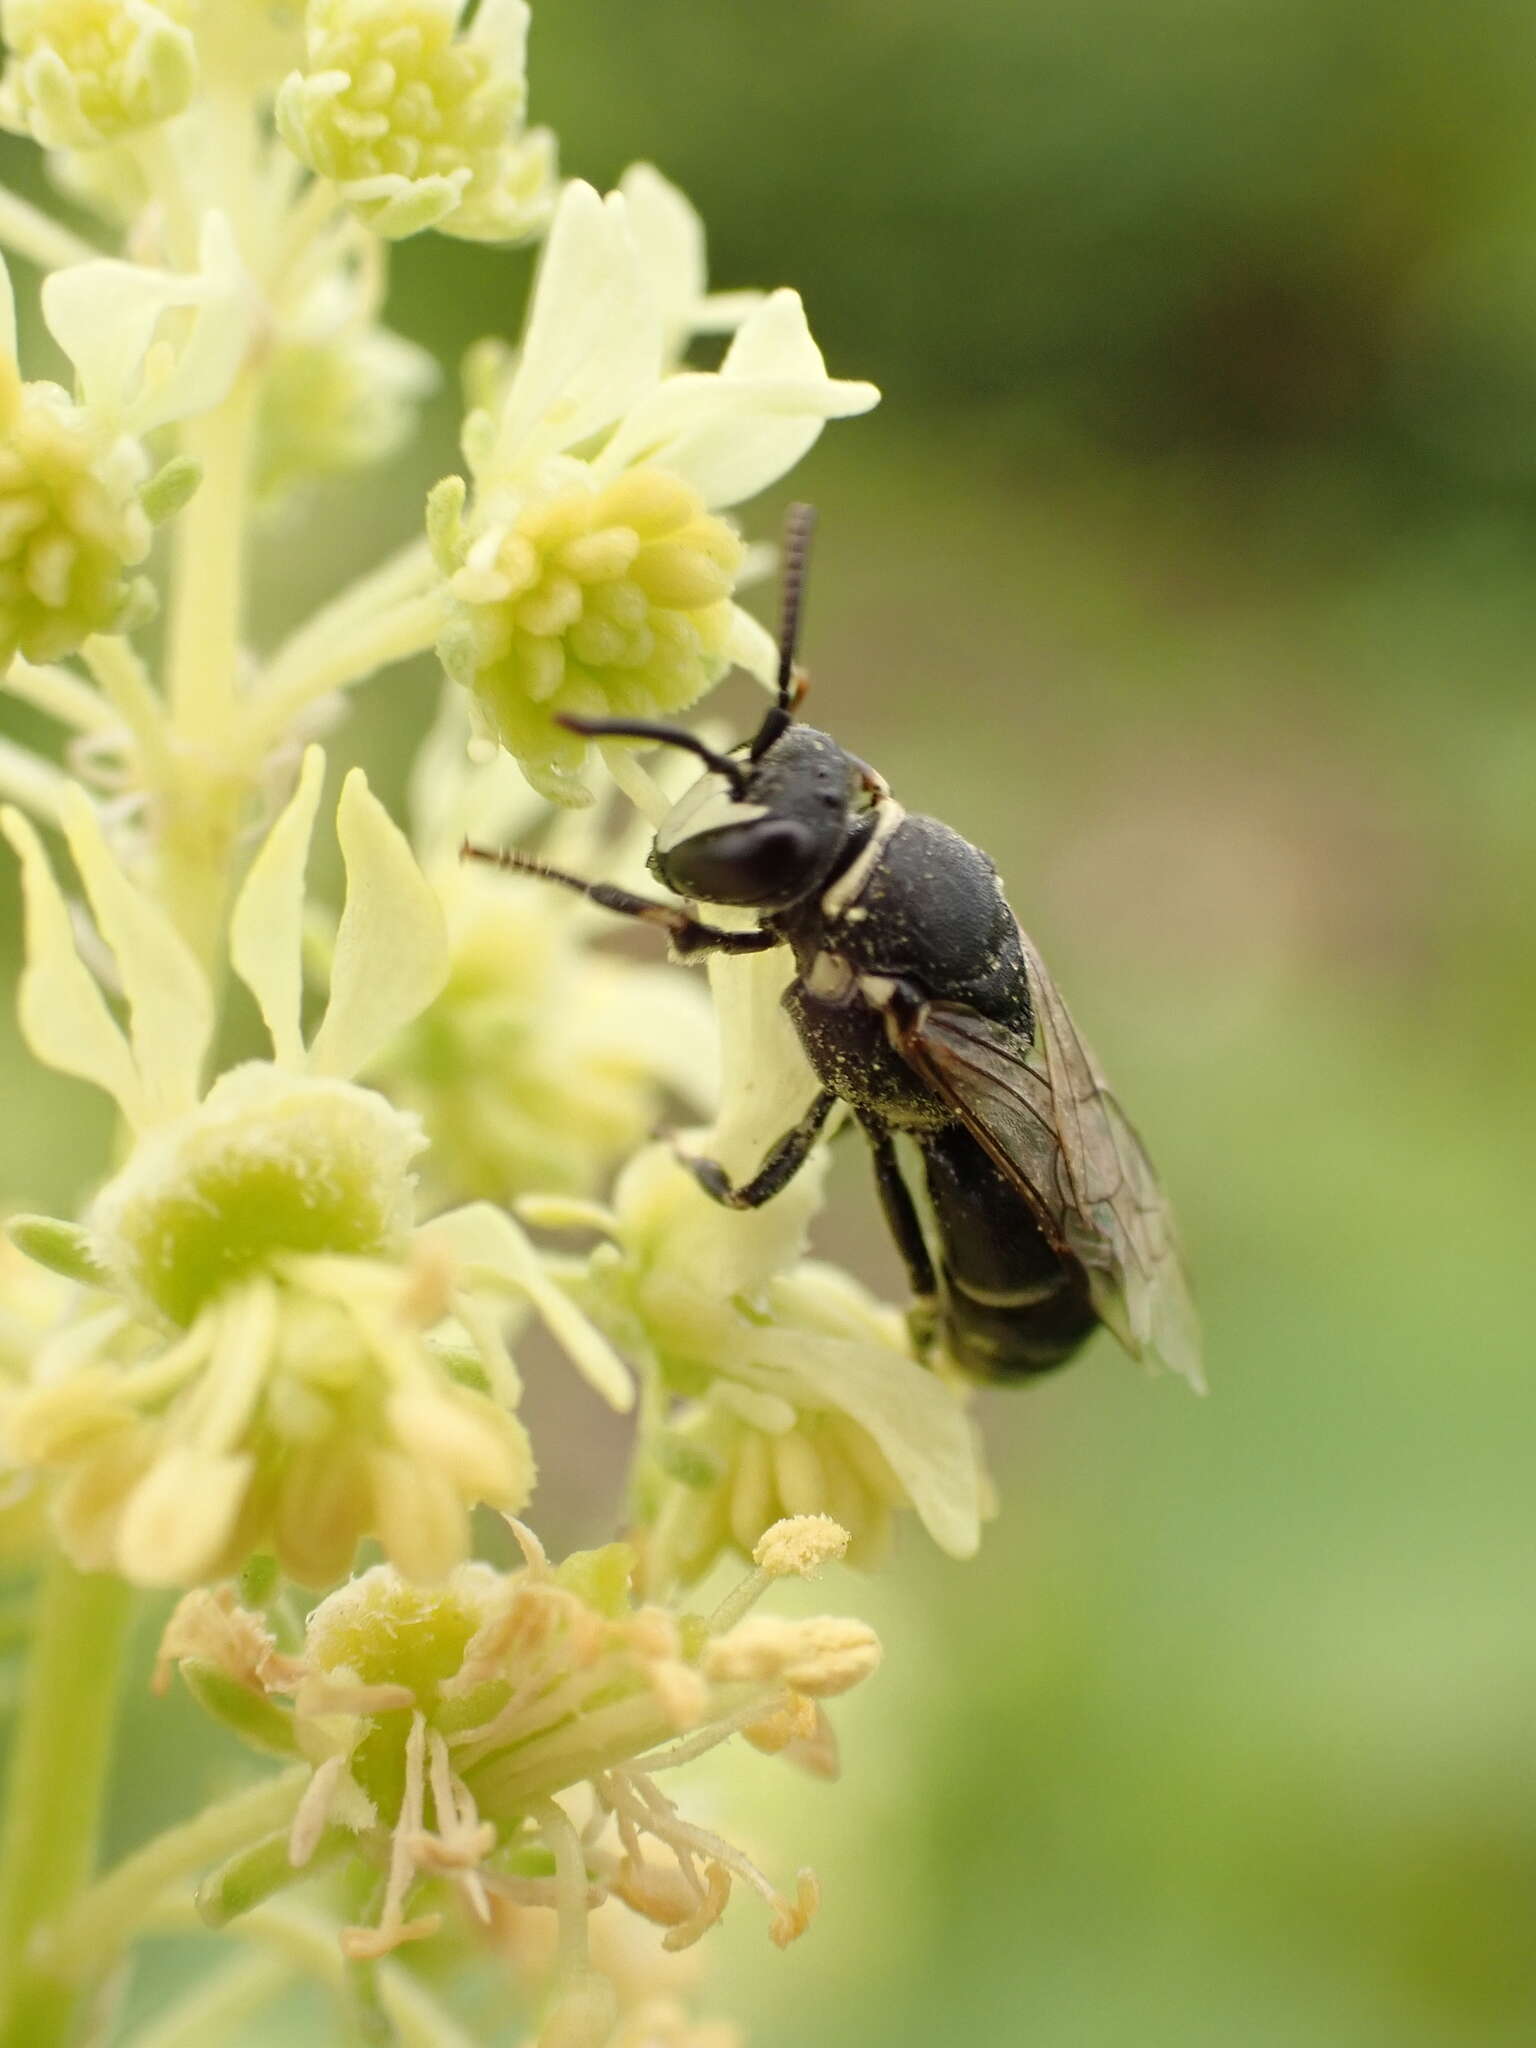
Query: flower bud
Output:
(83,72)
(72,526)
(604,602)
(418,124)
(268,1163)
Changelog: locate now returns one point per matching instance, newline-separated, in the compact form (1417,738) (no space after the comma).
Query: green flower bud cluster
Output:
(420,125)
(84,72)
(604,602)
(72,523)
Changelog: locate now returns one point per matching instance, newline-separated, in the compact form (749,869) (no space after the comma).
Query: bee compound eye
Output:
(769,861)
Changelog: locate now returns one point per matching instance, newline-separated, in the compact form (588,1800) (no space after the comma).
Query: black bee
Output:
(922,1004)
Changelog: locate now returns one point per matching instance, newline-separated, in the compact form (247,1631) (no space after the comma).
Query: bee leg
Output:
(776,1171)
(690,937)
(905,1227)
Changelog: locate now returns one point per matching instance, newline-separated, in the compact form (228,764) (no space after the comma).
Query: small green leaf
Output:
(445,521)
(257,1721)
(464,1367)
(66,1248)
(170,488)
(259,1578)
(600,1577)
(259,1872)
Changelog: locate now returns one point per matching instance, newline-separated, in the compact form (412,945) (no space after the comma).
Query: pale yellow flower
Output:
(419,119)
(591,571)
(72,522)
(447,1726)
(76,493)
(277,1358)
(83,72)
(669,235)
(788,1389)
(549,1057)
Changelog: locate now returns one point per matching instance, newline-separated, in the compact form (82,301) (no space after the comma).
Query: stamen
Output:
(314,1811)
(739,1601)
(717,1897)
(534,1554)
(703,1740)
(363,1944)
(573,1955)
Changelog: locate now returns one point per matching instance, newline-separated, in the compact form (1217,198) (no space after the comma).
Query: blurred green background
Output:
(1188,567)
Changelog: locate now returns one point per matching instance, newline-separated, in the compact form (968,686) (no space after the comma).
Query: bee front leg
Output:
(776,1171)
(690,937)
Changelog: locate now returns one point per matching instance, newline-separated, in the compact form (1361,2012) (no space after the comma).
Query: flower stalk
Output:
(207,609)
(59,1763)
(104,1917)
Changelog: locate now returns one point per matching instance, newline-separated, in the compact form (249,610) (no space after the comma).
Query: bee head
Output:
(767,835)
(763,826)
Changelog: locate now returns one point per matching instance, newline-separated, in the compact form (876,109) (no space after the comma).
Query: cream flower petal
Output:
(501,26)
(732,434)
(392,946)
(178,1518)
(766,1081)
(170,1006)
(594,337)
(105,316)
(670,238)
(724,312)
(419,1515)
(485,1240)
(696,1256)
(916,1419)
(777,342)
(751,646)
(64,1016)
(266,926)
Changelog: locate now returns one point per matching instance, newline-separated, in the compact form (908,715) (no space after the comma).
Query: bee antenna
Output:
(663,736)
(799,523)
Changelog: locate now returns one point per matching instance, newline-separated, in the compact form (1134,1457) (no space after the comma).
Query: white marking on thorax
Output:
(830,978)
(850,885)
(877,989)
(710,804)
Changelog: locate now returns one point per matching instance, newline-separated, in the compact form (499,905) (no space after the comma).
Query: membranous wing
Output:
(1047,1116)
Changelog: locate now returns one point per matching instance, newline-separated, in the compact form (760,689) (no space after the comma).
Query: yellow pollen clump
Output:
(800,1545)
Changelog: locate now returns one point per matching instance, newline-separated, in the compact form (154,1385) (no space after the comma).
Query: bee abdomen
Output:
(1011,1303)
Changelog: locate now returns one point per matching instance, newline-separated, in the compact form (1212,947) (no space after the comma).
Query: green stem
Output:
(346,643)
(32,234)
(201,803)
(32,784)
(103,1919)
(208,573)
(58,1777)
